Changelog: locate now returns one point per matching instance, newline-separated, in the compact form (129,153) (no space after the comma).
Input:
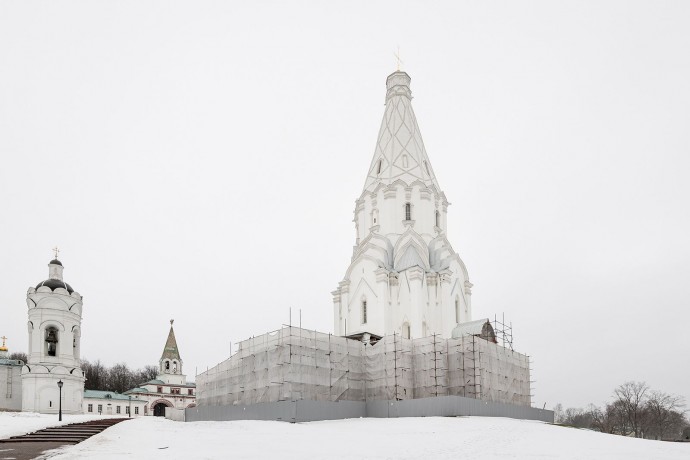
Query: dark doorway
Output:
(159,410)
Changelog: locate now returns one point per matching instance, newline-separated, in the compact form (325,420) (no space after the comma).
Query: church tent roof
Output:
(170,351)
(400,152)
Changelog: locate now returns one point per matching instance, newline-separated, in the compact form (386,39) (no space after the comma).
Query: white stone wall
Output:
(10,387)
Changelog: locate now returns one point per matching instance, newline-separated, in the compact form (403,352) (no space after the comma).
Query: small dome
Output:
(54,284)
(55,262)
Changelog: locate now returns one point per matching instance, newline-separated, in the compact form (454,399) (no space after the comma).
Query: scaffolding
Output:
(294,364)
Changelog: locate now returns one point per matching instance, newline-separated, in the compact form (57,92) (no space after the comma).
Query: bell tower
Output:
(170,364)
(54,327)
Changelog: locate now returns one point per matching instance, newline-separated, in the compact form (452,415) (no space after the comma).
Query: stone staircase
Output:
(66,434)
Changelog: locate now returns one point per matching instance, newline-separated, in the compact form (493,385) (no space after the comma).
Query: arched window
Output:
(406,330)
(408,211)
(364,311)
(438,219)
(375,216)
(167,365)
(378,167)
(51,341)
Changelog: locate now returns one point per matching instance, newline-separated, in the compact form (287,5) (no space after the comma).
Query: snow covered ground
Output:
(479,438)
(15,423)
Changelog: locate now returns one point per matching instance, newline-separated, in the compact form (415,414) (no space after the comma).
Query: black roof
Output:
(54,284)
(55,262)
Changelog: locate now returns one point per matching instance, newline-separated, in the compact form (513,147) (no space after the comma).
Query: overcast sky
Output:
(200,160)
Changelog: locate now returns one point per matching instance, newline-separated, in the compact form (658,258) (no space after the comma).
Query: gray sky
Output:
(200,161)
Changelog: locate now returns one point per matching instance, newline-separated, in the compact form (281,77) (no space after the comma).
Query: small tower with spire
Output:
(54,326)
(170,364)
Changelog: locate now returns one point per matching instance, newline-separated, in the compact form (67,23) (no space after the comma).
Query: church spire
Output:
(400,152)
(170,350)
(170,370)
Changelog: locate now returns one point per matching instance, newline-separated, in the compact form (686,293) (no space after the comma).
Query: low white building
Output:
(111,403)
(170,388)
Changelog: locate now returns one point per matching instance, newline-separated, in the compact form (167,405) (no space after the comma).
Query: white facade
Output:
(54,327)
(109,403)
(404,276)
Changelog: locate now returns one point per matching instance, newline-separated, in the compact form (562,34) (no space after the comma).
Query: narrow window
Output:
(378,167)
(364,312)
(408,211)
(100,408)
(90,408)
(136,411)
(406,331)
(50,403)
(167,365)
(51,341)
(126,409)
(117,409)
(438,219)
(457,311)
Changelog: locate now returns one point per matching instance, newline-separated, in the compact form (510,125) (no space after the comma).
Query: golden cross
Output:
(397,57)
(57,251)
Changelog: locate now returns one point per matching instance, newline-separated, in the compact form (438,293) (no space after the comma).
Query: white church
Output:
(404,277)
(404,342)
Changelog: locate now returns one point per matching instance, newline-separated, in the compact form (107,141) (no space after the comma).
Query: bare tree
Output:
(579,418)
(632,399)
(120,378)
(606,420)
(96,375)
(662,408)
(147,373)
(19,356)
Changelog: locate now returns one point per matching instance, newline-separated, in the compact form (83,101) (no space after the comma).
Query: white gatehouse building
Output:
(170,388)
